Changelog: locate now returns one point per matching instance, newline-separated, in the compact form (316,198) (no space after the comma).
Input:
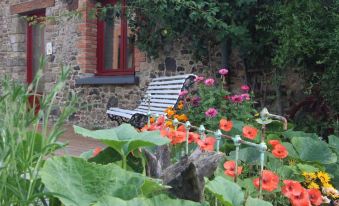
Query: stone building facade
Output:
(74,43)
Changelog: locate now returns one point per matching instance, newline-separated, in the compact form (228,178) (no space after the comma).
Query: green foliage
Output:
(27,137)
(226,191)
(109,155)
(154,201)
(124,139)
(256,202)
(203,23)
(77,182)
(313,150)
(334,143)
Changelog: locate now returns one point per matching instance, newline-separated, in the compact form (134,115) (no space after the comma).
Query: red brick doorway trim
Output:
(31,6)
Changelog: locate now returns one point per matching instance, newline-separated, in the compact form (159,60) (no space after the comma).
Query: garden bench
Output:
(161,93)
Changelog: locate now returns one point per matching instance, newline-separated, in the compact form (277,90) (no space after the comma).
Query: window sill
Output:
(105,80)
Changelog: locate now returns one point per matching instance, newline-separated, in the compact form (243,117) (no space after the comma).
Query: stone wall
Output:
(71,43)
(74,46)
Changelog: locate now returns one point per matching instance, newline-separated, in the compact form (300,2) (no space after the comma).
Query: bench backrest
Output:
(164,92)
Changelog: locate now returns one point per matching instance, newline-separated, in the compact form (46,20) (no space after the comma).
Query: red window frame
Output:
(123,70)
(30,77)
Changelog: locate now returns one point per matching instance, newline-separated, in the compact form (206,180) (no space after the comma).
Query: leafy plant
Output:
(77,182)
(140,201)
(124,139)
(27,137)
(230,194)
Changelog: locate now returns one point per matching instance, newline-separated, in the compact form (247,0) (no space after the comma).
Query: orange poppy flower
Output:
(249,132)
(96,151)
(193,137)
(270,181)
(181,128)
(315,197)
(291,188)
(170,112)
(274,142)
(180,105)
(160,121)
(176,137)
(280,151)
(207,144)
(225,125)
(302,199)
(152,127)
(230,168)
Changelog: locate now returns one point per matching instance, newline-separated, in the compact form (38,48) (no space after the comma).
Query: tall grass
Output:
(27,137)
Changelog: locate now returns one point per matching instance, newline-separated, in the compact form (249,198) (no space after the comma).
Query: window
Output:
(35,45)
(115,49)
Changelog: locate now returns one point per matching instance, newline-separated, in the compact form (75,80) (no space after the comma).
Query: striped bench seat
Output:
(161,93)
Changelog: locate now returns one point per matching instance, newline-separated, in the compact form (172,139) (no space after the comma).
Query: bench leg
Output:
(118,119)
(138,120)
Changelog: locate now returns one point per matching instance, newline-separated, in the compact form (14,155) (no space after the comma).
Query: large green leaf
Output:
(291,134)
(124,138)
(312,150)
(248,155)
(141,201)
(256,202)
(81,183)
(334,142)
(334,170)
(291,151)
(226,191)
(109,155)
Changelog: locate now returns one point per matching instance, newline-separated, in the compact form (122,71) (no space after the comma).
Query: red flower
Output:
(176,137)
(291,188)
(181,128)
(207,144)
(300,200)
(270,181)
(274,142)
(230,168)
(225,125)
(249,132)
(315,197)
(96,151)
(280,151)
(193,137)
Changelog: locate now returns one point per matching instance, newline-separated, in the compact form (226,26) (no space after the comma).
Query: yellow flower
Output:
(309,176)
(323,177)
(327,185)
(313,185)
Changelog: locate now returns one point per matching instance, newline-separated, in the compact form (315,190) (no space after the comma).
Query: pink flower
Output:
(245,88)
(209,82)
(223,71)
(183,93)
(245,97)
(199,79)
(236,98)
(211,112)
